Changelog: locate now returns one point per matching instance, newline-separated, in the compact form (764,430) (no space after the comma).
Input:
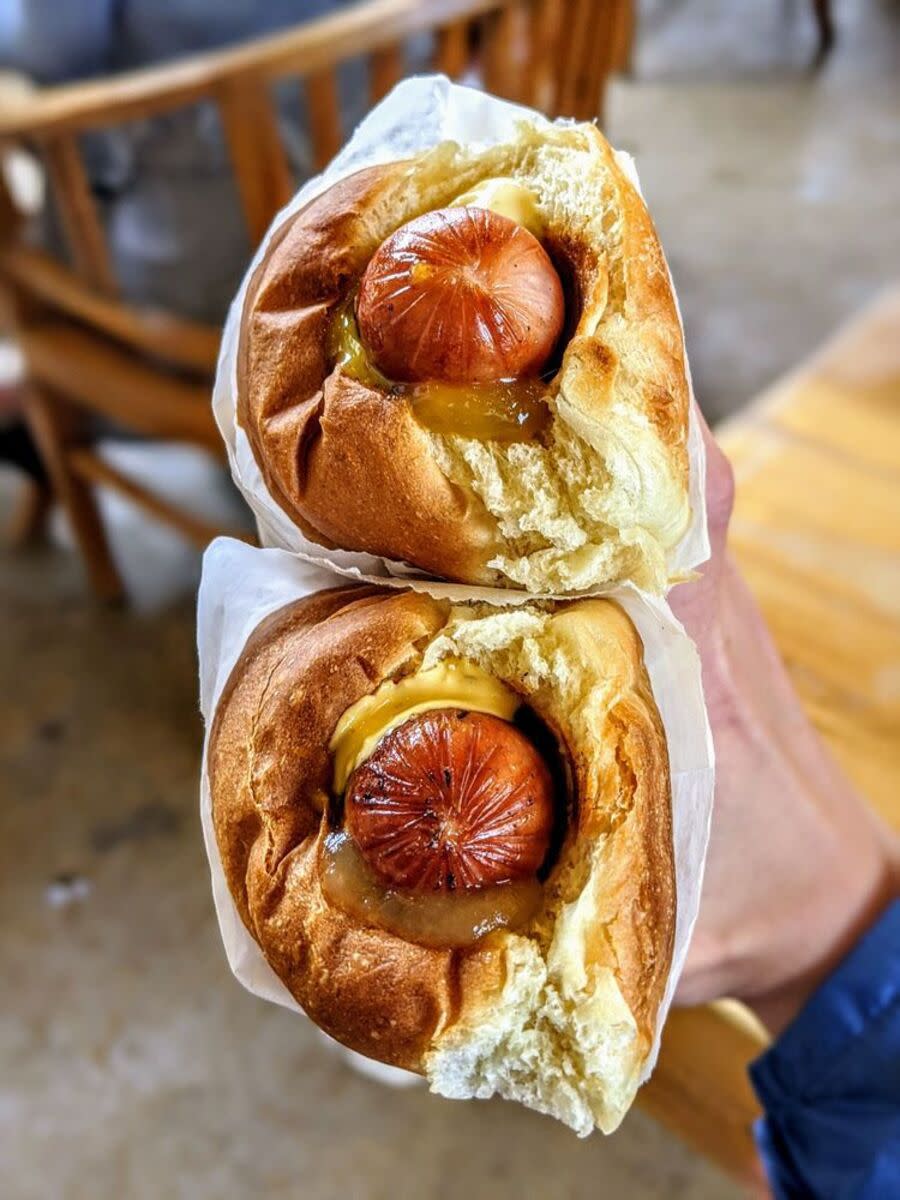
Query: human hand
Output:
(798,865)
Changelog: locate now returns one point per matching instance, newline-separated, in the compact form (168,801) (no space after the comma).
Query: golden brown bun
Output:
(601,496)
(559,1015)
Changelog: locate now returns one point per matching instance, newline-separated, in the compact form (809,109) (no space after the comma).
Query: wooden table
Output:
(817,533)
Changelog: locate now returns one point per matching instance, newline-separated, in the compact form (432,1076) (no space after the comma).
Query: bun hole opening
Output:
(547,744)
(560,254)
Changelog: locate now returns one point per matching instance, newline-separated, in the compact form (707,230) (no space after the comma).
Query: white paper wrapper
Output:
(417,114)
(241,586)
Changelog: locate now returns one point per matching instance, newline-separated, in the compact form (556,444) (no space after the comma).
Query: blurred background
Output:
(145,147)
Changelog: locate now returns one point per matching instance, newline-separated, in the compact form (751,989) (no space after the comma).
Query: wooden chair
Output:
(149,371)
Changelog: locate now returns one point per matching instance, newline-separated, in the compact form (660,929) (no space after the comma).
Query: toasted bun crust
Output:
(600,497)
(559,1014)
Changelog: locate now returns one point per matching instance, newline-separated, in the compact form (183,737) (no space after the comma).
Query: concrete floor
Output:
(131,1064)
(776,192)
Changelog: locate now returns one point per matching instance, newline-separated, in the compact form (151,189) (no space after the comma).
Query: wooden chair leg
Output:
(28,520)
(55,427)
(825,27)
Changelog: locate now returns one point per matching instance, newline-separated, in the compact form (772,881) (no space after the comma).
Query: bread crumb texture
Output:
(603,496)
(554,1040)
(551,1027)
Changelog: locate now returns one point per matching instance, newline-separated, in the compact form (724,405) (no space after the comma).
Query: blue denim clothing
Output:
(830,1085)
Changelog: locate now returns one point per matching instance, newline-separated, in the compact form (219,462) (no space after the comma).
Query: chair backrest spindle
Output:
(452,49)
(386,69)
(323,105)
(260,165)
(604,52)
(78,212)
(542,71)
(585,63)
(505,35)
(567,72)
